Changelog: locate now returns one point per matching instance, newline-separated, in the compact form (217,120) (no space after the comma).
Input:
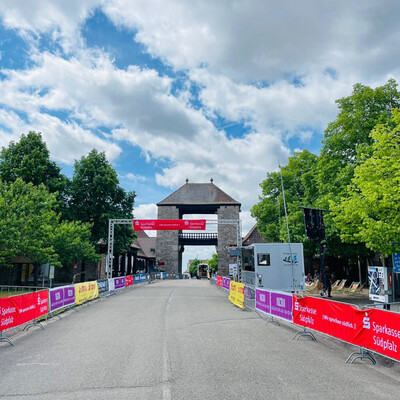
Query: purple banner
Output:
(56,299)
(249,293)
(226,283)
(119,283)
(61,297)
(282,305)
(263,301)
(69,295)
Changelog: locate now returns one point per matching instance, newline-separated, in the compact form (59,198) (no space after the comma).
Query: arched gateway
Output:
(198,198)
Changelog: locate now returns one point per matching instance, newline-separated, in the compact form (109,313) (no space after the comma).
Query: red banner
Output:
(169,224)
(219,280)
(335,319)
(129,280)
(18,310)
(372,329)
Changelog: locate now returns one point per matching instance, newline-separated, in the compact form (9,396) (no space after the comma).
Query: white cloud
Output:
(134,178)
(254,40)
(60,19)
(275,66)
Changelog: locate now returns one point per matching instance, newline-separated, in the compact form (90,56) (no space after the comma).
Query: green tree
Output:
(349,137)
(213,262)
(29,159)
(193,267)
(96,197)
(371,211)
(29,226)
(72,242)
(300,190)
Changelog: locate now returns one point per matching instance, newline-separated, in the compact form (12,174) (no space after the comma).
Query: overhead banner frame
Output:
(178,226)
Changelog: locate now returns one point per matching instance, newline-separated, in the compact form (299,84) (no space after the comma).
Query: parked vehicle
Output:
(202,271)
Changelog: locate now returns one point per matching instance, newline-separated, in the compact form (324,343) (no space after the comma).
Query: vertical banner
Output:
(219,281)
(236,294)
(263,300)
(129,280)
(56,299)
(111,286)
(282,305)
(69,295)
(102,285)
(249,293)
(86,291)
(119,283)
(18,310)
(226,283)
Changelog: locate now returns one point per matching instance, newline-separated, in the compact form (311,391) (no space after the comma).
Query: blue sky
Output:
(173,90)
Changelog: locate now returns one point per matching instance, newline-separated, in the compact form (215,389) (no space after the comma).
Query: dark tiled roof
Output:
(198,194)
(145,244)
(254,236)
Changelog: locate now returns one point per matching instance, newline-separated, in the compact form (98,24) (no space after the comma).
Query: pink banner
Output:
(169,224)
(18,310)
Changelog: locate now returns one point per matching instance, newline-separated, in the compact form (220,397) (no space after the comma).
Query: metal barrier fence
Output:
(372,330)
(6,291)
(23,305)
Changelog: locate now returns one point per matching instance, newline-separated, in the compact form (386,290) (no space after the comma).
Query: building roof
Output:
(145,244)
(253,236)
(198,194)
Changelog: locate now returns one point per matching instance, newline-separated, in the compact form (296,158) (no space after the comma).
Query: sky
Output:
(174,89)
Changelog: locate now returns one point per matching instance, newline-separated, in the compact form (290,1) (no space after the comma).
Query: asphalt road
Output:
(182,340)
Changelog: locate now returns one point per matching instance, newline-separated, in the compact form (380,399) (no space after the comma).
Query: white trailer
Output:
(276,266)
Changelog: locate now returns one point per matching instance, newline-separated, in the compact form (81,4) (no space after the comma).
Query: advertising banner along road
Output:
(236,294)
(61,297)
(372,329)
(18,310)
(86,291)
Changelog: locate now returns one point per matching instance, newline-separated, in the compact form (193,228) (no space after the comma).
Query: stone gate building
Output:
(197,198)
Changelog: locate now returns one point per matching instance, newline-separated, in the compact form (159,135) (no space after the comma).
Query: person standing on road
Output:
(326,280)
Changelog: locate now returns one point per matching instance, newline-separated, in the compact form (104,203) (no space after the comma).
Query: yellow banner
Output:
(86,291)
(236,294)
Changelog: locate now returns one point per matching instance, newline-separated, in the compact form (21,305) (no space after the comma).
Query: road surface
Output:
(182,340)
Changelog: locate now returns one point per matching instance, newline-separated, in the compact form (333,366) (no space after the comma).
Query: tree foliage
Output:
(96,197)
(370,212)
(29,226)
(348,137)
(300,190)
(213,262)
(193,267)
(29,160)
(321,181)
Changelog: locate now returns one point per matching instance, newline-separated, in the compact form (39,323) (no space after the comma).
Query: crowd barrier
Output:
(29,308)
(372,330)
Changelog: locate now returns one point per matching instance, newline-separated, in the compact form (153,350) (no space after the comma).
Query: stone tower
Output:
(197,198)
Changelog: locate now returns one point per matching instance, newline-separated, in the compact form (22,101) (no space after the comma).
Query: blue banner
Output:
(139,278)
(102,285)
(396,263)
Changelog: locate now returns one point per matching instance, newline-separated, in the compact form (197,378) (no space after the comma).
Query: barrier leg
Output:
(271,320)
(33,323)
(361,355)
(298,335)
(5,339)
